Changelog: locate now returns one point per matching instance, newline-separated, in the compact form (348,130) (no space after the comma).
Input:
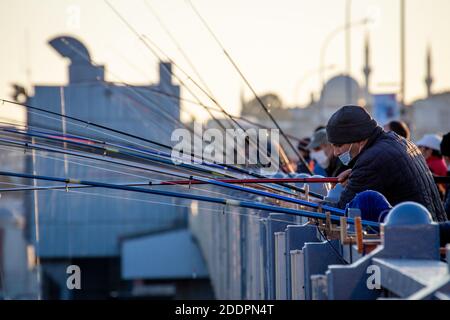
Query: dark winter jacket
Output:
(335,167)
(394,167)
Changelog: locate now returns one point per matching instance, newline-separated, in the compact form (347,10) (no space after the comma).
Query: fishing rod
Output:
(194,182)
(246,181)
(144,139)
(223,201)
(178,98)
(118,131)
(93,124)
(146,179)
(140,37)
(183,182)
(251,181)
(179,48)
(206,90)
(106,150)
(198,178)
(96,125)
(234,180)
(88,59)
(206,180)
(103,158)
(284,159)
(230,212)
(160,110)
(87,123)
(236,168)
(437,179)
(264,107)
(82,141)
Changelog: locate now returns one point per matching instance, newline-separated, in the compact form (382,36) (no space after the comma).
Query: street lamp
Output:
(325,44)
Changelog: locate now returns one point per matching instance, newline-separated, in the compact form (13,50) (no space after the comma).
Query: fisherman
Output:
(399,127)
(301,167)
(375,207)
(380,161)
(430,146)
(322,152)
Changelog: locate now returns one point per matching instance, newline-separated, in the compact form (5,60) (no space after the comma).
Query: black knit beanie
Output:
(350,124)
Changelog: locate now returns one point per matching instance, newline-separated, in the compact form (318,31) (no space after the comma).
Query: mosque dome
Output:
(334,93)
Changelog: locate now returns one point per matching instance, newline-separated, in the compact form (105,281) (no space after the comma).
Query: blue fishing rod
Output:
(167,160)
(51,136)
(99,126)
(223,201)
(107,150)
(198,178)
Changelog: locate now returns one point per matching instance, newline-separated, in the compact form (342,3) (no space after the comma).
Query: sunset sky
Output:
(276,44)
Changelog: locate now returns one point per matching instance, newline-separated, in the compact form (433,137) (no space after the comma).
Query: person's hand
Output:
(343,177)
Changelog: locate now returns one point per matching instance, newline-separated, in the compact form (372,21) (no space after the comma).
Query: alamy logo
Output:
(74,280)
(250,147)
(374,280)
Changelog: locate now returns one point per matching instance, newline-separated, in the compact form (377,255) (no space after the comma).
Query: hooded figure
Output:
(375,207)
(372,204)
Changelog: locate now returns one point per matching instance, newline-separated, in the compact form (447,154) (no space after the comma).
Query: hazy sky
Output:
(277,44)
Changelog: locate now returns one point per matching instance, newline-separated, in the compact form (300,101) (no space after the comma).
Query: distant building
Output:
(302,121)
(430,115)
(17,271)
(89,227)
(427,115)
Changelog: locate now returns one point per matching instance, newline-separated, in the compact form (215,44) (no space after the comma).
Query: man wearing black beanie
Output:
(380,161)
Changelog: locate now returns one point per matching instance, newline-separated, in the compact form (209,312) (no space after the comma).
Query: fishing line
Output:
(129,174)
(290,186)
(224,201)
(140,37)
(214,182)
(202,208)
(300,157)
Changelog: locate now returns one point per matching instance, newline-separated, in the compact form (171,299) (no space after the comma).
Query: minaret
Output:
(429,78)
(367,70)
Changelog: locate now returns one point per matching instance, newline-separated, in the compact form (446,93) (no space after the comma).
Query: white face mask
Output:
(346,157)
(321,158)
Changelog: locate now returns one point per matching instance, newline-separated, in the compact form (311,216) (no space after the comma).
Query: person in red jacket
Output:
(430,147)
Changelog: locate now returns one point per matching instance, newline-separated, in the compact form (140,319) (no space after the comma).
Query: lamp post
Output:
(402,54)
(348,15)
(325,44)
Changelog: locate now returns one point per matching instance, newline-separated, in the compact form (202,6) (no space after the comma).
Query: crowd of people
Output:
(379,166)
